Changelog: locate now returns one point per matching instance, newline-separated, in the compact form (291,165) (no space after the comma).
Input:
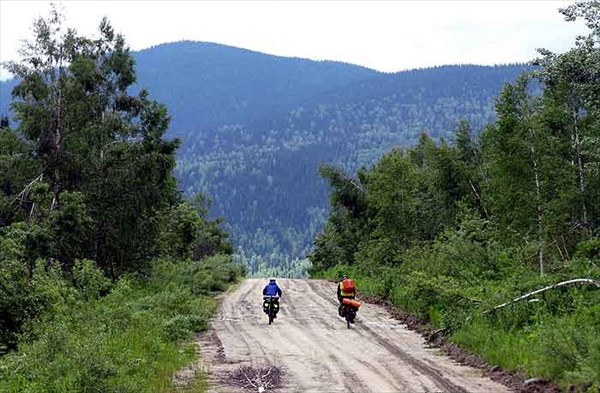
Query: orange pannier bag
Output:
(351,303)
(348,285)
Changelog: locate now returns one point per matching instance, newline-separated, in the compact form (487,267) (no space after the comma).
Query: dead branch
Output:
(32,210)
(54,203)
(252,378)
(560,284)
(359,187)
(248,379)
(268,372)
(469,298)
(478,198)
(562,257)
(23,194)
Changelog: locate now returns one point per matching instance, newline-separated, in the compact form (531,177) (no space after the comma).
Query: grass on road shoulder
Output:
(131,340)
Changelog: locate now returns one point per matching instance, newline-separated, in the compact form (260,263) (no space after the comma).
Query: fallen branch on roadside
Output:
(256,379)
(560,284)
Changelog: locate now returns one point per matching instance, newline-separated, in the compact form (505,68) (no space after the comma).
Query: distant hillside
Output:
(5,96)
(206,84)
(264,175)
(255,128)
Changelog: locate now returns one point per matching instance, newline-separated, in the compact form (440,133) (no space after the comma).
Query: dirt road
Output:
(316,351)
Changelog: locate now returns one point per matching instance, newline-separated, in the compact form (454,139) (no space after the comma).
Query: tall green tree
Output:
(515,149)
(18,166)
(572,92)
(398,205)
(93,137)
(348,218)
(470,165)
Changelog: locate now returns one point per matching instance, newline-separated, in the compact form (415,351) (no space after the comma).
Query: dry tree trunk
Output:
(57,135)
(590,281)
(479,200)
(538,208)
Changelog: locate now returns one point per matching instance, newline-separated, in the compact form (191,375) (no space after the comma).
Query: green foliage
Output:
(131,340)
(187,233)
(88,161)
(89,280)
(88,205)
(449,231)
(589,249)
(26,292)
(559,347)
(17,167)
(71,228)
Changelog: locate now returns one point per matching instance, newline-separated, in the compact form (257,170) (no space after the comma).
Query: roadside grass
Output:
(131,340)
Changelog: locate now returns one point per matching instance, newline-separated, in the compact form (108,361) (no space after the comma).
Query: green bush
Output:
(178,327)
(130,340)
(89,279)
(589,249)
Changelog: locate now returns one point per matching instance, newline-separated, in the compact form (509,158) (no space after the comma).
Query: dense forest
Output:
(265,174)
(462,232)
(104,266)
(255,128)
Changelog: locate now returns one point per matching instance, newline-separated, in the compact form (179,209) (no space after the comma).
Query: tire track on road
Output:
(319,354)
(349,380)
(423,368)
(432,373)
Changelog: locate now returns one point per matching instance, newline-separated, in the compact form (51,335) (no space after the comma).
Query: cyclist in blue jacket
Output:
(271,289)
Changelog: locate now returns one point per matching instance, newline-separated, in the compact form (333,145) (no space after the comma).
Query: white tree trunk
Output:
(57,134)
(581,173)
(478,197)
(538,205)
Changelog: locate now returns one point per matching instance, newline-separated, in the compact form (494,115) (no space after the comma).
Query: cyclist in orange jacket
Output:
(345,290)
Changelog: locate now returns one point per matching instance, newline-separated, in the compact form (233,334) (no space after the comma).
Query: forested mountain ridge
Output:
(255,128)
(208,84)
(265,172)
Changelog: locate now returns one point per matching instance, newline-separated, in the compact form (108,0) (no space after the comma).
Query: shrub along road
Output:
(310,349)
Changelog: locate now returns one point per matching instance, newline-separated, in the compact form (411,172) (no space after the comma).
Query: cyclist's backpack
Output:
(348,285)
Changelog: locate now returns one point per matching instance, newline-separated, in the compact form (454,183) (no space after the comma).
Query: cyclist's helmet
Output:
(344,276)
(271,280)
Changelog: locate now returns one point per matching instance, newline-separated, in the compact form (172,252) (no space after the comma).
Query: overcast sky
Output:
(387,35)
